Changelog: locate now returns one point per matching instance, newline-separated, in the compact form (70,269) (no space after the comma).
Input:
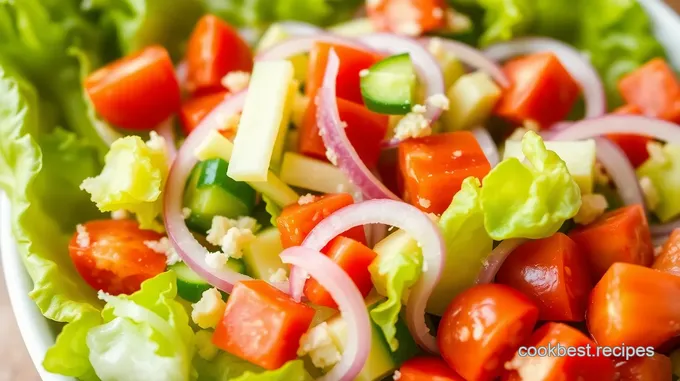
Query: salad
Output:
(327,190)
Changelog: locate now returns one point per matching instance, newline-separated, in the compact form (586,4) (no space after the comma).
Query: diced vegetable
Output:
(275,34)
(663,169)
(542,90)
(190,286)
(584,365)
(426,368)
(138,91)
(316,175)
(262,324)
(668,259)
(451,66)
(554,273)
(194,110)
(389,86)
(635,306)
(114,255)
(655,89)
(261,133)
(472,98)
(476,347)
(621,235)
(629,109)
(214,49)
(649,368)
(261,257)
(634,146)
(579,156)
(296,221)
(408,17)
(353,28)
(434,168)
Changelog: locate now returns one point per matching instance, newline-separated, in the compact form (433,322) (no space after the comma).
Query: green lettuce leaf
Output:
(272,209)
(145,335)
(224,367)
(663,169)
(529,201)
(291,371)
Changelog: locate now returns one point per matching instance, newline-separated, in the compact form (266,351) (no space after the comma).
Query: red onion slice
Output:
(167,131)
(332,131)
(578,66)
(488,145)
(295,46)
(182,73)
(299,29)
(190,250)
(495,260)
(400,215)
(426,65)
(621,124)
(351,305)
(620,171)
(473,58)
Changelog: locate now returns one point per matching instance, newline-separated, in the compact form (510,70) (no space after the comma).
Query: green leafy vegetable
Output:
(291,371)
(272,208)
(529,201)
(663,169)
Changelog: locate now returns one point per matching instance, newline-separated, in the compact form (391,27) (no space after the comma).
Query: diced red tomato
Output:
(111,255)
(635,306)
(214,49)
(194,110)
(408,17)
(669,258)
(645,368)
(560,366)
(628,109)
(136,92)
(621,235)
(354,258)
(542,90)
(655,89)
(296,221)
(426,368)
(434,167)
(634,146)
(483,327)
(365,130)
(262,324)
(554,273)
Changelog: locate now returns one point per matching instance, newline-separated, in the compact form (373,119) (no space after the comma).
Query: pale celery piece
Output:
(664,172)
(472,98)
(451,66)
(276,34)
(261,257)
(316,175)
(579,157)
(354,28)
(215,145)
(264,120)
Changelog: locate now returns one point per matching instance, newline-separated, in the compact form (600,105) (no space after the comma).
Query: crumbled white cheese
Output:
(235,240)
(650,193)
(157,143)
(656,153)
(208,311)
(397,375)
(186,213)
(279,276)
(300,105)
(332,156)
(438,13)
(409,28)
(236,81)
(120,214)
(457,153)
(457,22)
(306,199)
(221,225)
(163,246)
(592,207)
(325,357)
(413,125)
(83,237)
(216,260)
(439,101)
(601,177)
(418,109)
(364,73)
(425,203)
(204,346)
(317,343)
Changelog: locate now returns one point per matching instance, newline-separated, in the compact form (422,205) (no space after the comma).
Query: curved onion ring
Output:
(577,65)
(488,146)
(299,29)
(666,228)
(620,171)
(351,305)
(295,46)
(167,131)
(495,260)
(400,215)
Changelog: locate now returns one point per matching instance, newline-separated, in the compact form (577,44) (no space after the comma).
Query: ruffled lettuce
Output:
(529,200)
(663,169)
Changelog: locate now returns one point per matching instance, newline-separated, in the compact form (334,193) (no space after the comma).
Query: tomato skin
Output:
(636,306)
(482,328)
(426,368)
(654,88)
(195,109)
(214,49)
(111,255)
(403,16)
(669,258)
(634,146)
(554,273)
(554,367)
(655,368)
(136,92)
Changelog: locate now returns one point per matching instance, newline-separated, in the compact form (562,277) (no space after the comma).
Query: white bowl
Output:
(38,332)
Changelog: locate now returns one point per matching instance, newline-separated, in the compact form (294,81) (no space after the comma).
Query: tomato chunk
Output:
(654,88)
(408,17)
(296,221)
(214,49)
(263,325)
(354,258)
(482,328)
(634,146)
(112,256)
(434,167)
(557,366)
(669,258)
(426,368)
(136,92)
(629,109)
(621,235)
(554,273)
(635,306)
(194,110)
(542,90)
(654,368)
(365,130)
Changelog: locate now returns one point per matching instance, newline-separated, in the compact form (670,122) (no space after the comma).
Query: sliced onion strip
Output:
(167,131)
(299,29)
(621,124)
(350,302)
(488,145)
(620,171)
(301,45)
(495,260)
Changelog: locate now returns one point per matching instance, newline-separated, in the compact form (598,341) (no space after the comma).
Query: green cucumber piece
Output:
(214,173)
(389,87)
(190,286)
